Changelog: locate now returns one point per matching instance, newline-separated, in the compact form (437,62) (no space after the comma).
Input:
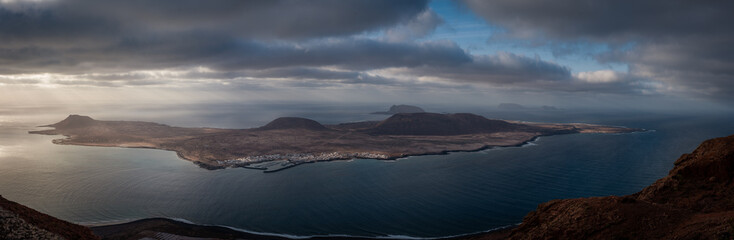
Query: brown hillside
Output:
(21,222)
(294,123)
(695,201)
(440,124)
(74,121)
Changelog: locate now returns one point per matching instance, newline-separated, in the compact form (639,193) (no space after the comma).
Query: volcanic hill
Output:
(395,109)
(444,124)
(294,123)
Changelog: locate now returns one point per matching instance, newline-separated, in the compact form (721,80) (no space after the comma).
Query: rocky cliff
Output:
(695,201)
(20,222)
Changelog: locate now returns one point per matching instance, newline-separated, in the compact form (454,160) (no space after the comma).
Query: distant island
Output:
(290,141)
(518,107)
(395,109)
(510,106)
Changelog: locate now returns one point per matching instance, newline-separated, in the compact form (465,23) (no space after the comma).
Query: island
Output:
(395,109)
(510,106)
(290,141)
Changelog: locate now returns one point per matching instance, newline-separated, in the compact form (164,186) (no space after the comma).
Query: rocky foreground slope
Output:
(695,201)
(20,222)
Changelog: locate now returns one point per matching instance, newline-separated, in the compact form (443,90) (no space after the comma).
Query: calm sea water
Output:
(426,196)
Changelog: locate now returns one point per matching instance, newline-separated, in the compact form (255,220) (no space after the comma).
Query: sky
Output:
(672,55)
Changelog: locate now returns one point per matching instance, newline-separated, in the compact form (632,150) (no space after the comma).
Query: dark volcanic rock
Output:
(355,126)
(695,201)
(294,123)
(701,180)
(405,109)
(20,222)
(440,124)
(152,227)
(73,121)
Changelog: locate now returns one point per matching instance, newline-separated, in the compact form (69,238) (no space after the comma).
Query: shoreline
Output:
(393,158)
(289,142)
(178,225)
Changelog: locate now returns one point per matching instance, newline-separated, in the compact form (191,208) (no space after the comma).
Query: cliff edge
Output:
(20,222)
(695,201)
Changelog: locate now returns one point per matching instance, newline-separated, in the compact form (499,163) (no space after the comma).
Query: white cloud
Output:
(601,76)
(420,26)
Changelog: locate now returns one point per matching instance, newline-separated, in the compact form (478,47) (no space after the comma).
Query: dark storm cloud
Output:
(501,69)
(521,72)
(347,53)
(621,20)
(684,43)
(228,55)
(304,73)
(106,36)
(263,18)
(268,19)
(322,43)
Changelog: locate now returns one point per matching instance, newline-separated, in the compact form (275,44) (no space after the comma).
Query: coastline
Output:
(393,158)
(288,142)
(176,226)
(390,158)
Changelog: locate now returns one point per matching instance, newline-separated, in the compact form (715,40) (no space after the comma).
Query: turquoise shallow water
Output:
(424,196)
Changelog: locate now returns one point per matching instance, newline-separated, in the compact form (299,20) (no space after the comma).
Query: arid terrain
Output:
(20,222)
(289,141)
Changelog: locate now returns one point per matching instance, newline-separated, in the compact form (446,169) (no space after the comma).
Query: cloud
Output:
(75,37)
(522,73)
(304,73)
(621,21)
(683,44)
(326,43)
(418,27)
(345,53)
(601,76)
(228,55)
(271,19)
(500,69)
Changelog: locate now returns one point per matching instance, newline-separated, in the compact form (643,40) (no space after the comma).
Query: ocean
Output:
(421,196)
